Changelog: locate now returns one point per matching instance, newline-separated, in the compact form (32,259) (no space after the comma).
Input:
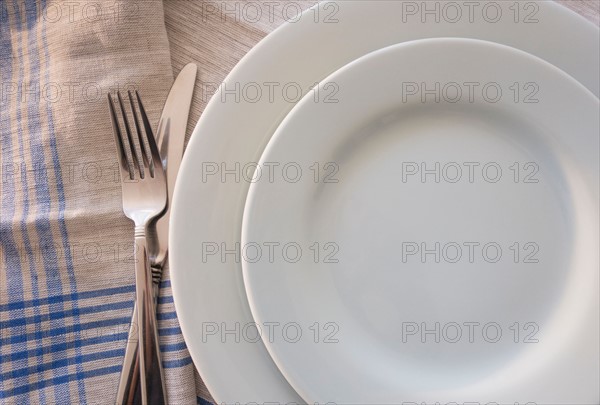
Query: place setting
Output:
(379,202)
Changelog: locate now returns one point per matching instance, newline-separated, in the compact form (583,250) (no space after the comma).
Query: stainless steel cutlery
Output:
(144,188)
(170,136)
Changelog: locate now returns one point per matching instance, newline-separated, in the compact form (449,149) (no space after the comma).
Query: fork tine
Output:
(123,159)
(144,145)
(134,147)
(156,160)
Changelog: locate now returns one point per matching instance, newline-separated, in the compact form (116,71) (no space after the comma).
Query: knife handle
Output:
(129,390)
(151,372)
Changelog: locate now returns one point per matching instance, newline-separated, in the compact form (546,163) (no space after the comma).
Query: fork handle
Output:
(129,392)
(151,372)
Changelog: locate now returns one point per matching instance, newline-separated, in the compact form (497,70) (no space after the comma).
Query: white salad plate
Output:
(436,241)
(208,205)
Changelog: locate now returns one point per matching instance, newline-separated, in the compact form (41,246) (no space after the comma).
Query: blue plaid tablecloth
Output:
(66,279)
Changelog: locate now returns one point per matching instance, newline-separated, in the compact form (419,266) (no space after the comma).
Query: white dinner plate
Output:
(209,292)
(436,241)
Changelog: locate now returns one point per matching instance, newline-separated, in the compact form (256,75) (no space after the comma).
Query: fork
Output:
(144,189)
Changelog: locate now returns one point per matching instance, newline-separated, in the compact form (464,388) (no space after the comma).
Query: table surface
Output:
(217,45)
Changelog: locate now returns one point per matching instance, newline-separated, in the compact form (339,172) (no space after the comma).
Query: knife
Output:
(170,137)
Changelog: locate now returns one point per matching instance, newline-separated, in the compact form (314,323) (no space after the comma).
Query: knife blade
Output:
(170,137)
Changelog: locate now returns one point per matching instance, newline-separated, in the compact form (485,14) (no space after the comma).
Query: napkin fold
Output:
(67,273)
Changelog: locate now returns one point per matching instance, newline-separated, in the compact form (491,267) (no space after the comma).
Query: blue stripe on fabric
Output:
(166,316)
(43,197)
(40,368)
(60,380)
(67,297)
(25,184)
(202,401)
(23,304)
(65,314)
(169,331)
(63,362)
(14,275)
(173,347)
(165,300)
(177,363)
(61,212)
(40,351)
(65,330)
(79,296)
